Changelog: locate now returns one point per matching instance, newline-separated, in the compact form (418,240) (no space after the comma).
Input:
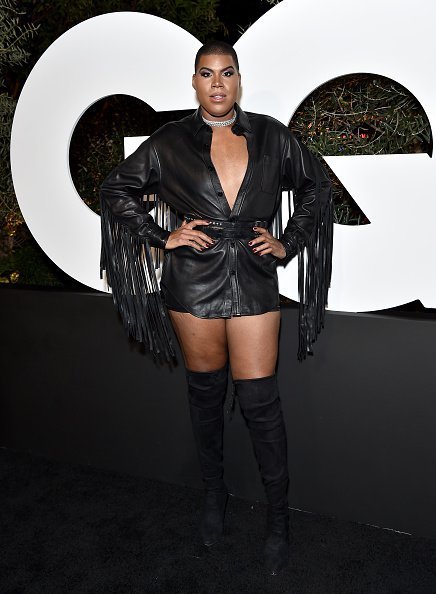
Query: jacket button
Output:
(232,244)
(220,193)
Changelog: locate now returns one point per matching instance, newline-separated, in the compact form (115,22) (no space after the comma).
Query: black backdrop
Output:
(360,414)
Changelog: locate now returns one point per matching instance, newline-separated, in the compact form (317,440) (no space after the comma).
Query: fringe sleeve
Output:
(131,244)
(309,236)
(314,276)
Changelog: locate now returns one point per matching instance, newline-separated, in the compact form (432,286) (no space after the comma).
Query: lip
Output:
(218,97)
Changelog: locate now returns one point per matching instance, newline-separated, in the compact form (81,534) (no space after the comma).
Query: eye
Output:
(228,73)
(205,74)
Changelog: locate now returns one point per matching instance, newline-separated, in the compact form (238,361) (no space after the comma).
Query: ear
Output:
(193,82)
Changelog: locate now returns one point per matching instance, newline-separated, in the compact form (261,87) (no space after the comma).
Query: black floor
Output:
(68,528)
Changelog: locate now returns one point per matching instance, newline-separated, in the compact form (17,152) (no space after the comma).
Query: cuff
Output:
(154,234)
(290,244)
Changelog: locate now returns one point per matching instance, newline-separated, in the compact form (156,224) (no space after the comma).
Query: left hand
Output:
(266,244)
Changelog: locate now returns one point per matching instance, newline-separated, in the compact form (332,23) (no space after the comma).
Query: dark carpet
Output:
(69,528)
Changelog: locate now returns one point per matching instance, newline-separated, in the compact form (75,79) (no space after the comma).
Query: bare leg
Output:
(253,344)
(203,341)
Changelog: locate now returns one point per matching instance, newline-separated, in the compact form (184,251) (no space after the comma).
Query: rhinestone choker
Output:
(219,124)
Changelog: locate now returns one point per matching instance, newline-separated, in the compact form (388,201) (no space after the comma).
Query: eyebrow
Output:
(222,69)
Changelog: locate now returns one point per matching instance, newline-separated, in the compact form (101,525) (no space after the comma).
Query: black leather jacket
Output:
(174,166)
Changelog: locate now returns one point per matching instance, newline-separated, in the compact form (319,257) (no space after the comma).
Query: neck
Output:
(222,122)
(213,118)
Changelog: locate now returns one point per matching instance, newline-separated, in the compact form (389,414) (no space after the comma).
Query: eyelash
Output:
(207,74)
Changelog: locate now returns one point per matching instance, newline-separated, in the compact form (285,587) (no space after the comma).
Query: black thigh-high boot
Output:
(260,405)
(206,394)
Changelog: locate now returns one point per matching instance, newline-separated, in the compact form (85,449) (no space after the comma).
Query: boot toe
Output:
(212,523)
(276,553)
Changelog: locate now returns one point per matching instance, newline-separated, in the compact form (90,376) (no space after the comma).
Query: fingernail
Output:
(250,243)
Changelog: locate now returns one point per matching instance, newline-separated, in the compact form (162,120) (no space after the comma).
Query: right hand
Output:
(187,235)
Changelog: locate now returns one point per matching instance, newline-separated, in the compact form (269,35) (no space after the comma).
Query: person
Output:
(216,179)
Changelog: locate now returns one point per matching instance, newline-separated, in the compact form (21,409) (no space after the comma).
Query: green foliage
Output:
(57,16)
(7,196)
(28,265)
(363,115)
(14,35)
(360,114)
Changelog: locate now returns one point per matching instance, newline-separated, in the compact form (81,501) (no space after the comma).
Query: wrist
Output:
(165,238)
(290,244)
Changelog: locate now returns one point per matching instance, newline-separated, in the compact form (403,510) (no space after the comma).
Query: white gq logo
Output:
(291,50)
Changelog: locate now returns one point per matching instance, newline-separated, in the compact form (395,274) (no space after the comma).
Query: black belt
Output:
(230,229)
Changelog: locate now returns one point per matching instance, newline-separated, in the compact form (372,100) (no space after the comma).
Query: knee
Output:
(206,364)
(206,373)
(242,372)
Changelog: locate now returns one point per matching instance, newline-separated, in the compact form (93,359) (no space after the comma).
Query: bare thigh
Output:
(253,344)
(203,341)
(250,341)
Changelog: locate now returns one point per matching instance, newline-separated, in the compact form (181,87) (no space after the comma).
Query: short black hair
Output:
(216,47)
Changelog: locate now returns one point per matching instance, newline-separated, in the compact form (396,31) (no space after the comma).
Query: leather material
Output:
(231,229)
(227,278)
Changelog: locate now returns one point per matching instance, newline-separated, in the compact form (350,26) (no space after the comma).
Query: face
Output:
(217,83)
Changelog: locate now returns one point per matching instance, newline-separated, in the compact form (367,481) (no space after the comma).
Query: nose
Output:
(216,82)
